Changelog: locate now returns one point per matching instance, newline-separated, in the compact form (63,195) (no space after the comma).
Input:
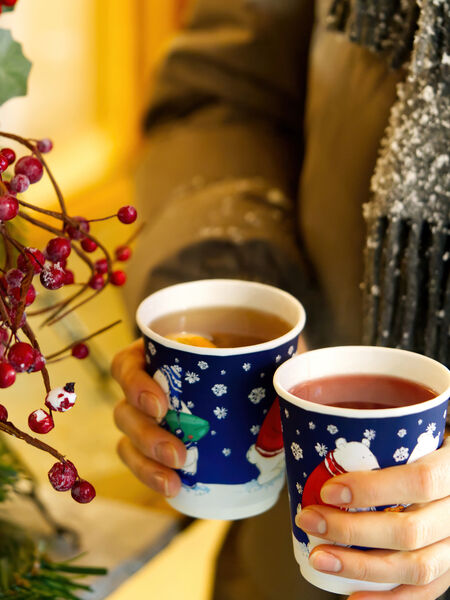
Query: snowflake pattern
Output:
(369,434)
(151,348)
(191,377)
(277,358)
(213,432)
(332,429)
(177,369)
(297,431)
(226,452)
(256,395)
(401,433)
(175,403)
(254,429)
(321,449)
(311,425)
(305,475)
(246,366)
(431,427)
(220,412)
(202,365)
(286,413)
(401,454)
(420,421)
(190,404)
(177,360)
(299,487)
(297,452)
(223,372)
(219,389)
(291,350)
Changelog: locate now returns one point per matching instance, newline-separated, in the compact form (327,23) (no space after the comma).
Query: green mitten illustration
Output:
(186,427)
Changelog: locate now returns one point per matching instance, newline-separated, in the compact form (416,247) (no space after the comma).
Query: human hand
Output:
(148,450)
(415,543)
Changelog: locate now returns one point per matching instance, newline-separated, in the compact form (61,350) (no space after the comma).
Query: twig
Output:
(85,339)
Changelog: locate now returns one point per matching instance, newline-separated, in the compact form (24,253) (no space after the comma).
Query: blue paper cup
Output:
(323,441)
(221,400)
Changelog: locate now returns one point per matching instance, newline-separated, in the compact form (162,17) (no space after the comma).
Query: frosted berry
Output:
(83,491)
(97,282)
(80,350)
(9,207)
(58,249)
(38,362)
(127,214)
(62,476)
(14,278)
(34,256)
(9,154)
(101,266)
(77,232)
(44,145)
(31,167)
(13,317)
(3,414)
(19,184)
(21,356)
(30,296)
(69,277)
(4,164)
(9,2)
(40,421)
(7,375)
(52,277)
(123,253)
(118,278)
(61,399)
(88,245)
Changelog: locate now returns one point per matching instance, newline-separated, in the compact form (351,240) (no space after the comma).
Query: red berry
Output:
(62,476)
(29,298)
(69,277)
(101,266)
(9,207)
(9,2)
(31,167)
(52,277)
(127,214)
(83,491)
(21,356)
(44,145)
(123,253)
(39,361)
(3,414)
(9,154)
(118,278)
(58,249)
(14,278)
(4,164)
(40,421)
(19,184)
(13,316)
(78,232)
(36,258)
(7,375)
(97,282)
(80,350)
(88,245)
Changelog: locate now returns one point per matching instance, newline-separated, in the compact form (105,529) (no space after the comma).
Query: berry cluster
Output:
(48,266)
(7,3)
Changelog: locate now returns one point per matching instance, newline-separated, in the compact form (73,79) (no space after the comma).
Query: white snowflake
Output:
(431,427)
(202,365)
(151,348)
(255,429)
(177,369)
(311,425)
(177,360)
(264,411)
(190,404)
(305,475)
(321,449)
(291,350)
(297,431)
(257,394)
(213,432)
(401,454)
(246,366)
(369,434)
(191,377)
(297,452)
(226,452)
(263,375)
(286,413)
(420,421)
(277,358)
(219,389)
(332,429)
(299,487)
(223,372)
(175,403)
(401,433)
(220,412)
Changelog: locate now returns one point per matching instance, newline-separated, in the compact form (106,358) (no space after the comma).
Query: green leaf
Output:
(14,68)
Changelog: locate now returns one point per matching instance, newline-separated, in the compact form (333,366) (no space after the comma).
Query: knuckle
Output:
(423,571)
(348,532)
(425,480)
(360,569)
(411,532)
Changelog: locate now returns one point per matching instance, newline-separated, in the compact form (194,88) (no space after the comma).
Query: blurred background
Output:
(93,64)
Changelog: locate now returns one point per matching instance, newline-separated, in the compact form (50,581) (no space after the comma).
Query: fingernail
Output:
(151,404)
(166,454)
(322,561)
(162,483)
(334,493)
(310,521)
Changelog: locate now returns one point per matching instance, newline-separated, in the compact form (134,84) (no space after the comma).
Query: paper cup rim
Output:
(270,344)
(360,413)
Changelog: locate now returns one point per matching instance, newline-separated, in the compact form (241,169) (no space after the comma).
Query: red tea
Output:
(363,391)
